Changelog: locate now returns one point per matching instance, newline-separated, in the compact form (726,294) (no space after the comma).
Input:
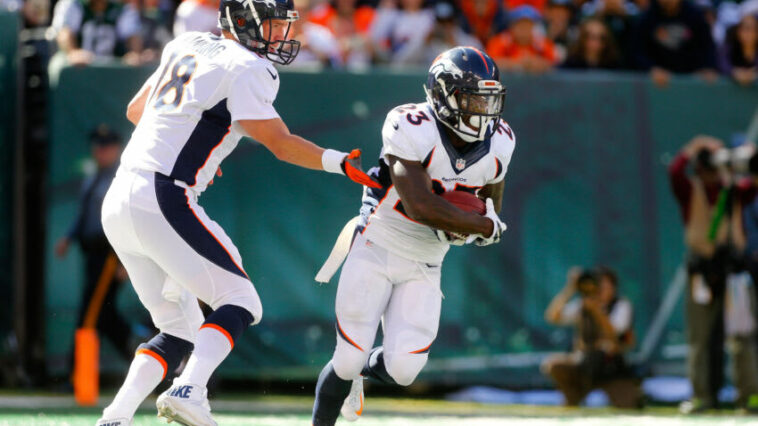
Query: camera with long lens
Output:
(740,161)
(587,283)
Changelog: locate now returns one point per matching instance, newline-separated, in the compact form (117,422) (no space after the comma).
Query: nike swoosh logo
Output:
(396,126)
(274,76)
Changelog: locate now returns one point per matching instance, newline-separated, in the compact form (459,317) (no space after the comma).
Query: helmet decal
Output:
(445,65)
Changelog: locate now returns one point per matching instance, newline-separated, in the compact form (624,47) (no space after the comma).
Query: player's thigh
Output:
(364,289)
(177,314)
(196,252)
(411,322)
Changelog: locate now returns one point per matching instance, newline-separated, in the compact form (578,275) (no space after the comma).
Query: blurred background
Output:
(602,95)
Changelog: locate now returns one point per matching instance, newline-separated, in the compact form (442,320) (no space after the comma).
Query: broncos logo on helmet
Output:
(463,87)
(245,20)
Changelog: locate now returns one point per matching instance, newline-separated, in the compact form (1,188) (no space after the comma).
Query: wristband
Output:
(331,161)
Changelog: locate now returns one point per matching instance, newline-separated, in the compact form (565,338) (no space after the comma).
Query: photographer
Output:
(603,324)
(710,201)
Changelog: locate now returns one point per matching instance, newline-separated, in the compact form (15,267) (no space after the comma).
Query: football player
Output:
(190,114)
(455,141)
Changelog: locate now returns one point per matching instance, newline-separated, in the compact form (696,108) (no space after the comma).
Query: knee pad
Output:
(167,349)
(404,367)
(347,361)
(244,297)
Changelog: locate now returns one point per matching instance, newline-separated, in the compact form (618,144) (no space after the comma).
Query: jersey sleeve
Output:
(503,152)
(396,141)
(252,94)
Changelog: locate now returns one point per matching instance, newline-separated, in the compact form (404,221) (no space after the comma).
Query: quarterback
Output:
(455,141)
(207,93)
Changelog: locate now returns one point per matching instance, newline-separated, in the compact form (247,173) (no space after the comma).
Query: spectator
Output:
(445,35)
(739,319)
(603,333)
(350,25)
(483,18)
(154,31)
(739,55)
(397,33)
(96,29)
(88,232)
(197,15)
(673,37)
(318,46)
(36,13)
(559,17)
(714,250)
(619,16)
(594,49)
(520,48)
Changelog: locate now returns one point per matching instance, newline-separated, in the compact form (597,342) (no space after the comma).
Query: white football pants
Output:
(375,285)
(174,253)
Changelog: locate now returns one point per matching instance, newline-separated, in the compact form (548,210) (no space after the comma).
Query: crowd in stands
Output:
(661,37)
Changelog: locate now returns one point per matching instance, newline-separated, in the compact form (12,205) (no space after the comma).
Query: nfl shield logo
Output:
(460,164)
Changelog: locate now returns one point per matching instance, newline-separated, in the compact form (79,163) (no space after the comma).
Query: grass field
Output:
(280,410)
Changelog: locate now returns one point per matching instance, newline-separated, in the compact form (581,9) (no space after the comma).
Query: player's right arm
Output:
(276,137)
(422,205)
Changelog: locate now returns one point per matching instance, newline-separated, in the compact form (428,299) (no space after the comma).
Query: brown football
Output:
(465,201)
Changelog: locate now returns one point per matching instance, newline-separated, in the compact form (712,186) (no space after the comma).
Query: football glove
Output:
(351,167)
(454,238)
(498,228)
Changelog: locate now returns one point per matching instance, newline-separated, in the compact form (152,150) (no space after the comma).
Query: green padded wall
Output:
(587,185)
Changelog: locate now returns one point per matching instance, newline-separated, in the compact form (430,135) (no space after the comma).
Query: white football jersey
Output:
(204,84)
(412,132)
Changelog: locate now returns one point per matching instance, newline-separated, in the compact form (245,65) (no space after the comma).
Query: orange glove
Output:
(351,166)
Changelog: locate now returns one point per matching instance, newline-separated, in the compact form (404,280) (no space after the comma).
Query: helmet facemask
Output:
(470,112)
(248,24)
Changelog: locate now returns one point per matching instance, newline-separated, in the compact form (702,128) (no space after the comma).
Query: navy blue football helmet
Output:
(245,19)
(463,87)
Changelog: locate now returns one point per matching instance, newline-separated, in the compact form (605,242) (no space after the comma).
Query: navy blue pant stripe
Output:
(175,207)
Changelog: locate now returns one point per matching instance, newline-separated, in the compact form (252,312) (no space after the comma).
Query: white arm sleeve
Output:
(67,14)
(252,94)
(621,316)
(395,140)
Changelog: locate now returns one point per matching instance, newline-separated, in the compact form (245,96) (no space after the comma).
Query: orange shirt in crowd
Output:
(325,15)
(537,4)
(502,46)
(481,25)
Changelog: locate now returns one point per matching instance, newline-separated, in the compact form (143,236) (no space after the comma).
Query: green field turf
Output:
(280,411)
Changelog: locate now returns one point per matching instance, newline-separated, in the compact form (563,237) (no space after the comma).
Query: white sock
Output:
(145,373)
(212,346)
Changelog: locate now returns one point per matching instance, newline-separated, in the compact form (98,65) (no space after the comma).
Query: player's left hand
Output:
(498,226)
(351,166)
